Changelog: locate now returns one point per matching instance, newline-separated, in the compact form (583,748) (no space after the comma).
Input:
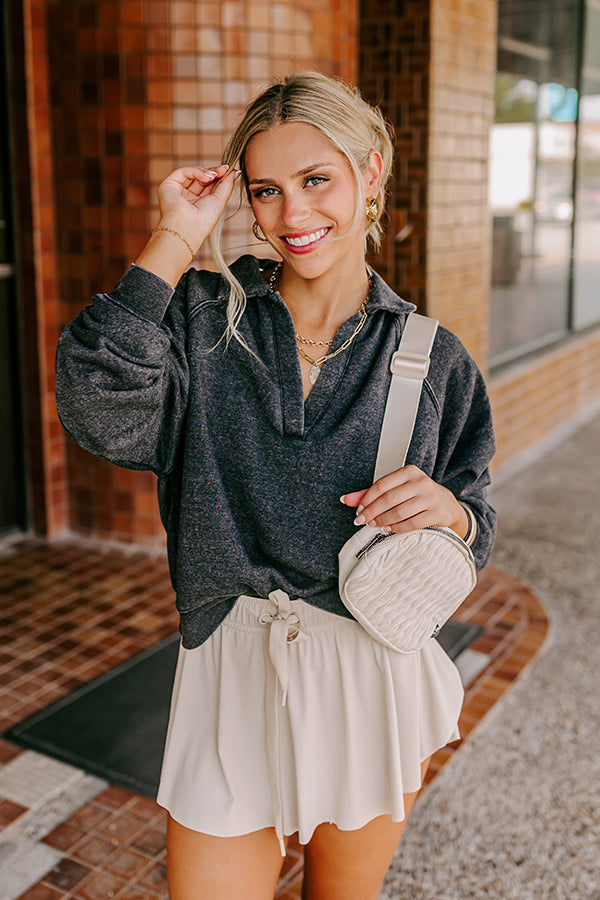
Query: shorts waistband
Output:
(247,610)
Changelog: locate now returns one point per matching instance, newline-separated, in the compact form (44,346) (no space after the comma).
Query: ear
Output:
(372,173)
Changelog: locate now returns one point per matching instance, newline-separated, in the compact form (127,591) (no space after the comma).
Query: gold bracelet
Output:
(176,233)
(471,534)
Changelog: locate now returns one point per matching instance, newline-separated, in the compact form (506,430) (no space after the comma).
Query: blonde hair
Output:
(352,125)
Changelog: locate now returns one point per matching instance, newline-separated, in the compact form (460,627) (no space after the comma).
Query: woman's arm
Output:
(121,366)
(191,201)
(408,498)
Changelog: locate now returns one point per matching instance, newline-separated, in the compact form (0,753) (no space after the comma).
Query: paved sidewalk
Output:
(70,611)
(516,814)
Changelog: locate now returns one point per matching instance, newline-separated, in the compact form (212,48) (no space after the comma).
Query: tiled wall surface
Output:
(119,92)
(394,73)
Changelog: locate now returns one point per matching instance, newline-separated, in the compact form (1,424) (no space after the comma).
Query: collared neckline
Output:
(248,270)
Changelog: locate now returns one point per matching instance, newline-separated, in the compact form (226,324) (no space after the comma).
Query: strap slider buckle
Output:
(409,365)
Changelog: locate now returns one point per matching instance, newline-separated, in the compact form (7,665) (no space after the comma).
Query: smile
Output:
(303,241)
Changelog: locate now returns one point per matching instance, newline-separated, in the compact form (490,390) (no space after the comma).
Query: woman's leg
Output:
(203,867)
(351,865)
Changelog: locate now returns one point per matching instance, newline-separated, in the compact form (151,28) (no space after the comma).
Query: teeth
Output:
(306,238)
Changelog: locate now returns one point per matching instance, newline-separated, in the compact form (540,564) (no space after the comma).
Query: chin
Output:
(308,266)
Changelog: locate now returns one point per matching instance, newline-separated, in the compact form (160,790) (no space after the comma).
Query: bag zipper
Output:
(445,531)
(453,536)
(376,540)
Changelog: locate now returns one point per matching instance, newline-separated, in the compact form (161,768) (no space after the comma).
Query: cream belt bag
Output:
(403,587)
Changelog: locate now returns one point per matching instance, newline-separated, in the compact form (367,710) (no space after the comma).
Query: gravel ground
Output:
(515,815)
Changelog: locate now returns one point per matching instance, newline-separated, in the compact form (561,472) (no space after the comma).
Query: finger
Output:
(399,514)
(208,176)
(193,172)
(353,498)
(365,497)
(201,183)
(389,500)
(421,520)
(399,477)
(194,178)
(223,187)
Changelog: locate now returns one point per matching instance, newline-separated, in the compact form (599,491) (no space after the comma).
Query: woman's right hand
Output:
(191,200)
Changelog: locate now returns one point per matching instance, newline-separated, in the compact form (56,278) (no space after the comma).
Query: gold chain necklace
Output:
(310,343)
(317,364)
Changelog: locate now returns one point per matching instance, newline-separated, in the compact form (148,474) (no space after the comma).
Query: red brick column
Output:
(461,109)
(430,65)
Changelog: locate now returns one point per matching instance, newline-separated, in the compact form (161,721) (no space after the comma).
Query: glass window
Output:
(532,152)
(586,260)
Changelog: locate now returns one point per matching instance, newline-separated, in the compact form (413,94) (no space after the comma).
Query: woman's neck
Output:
(320,305)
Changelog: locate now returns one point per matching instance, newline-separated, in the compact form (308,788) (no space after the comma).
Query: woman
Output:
(257,397)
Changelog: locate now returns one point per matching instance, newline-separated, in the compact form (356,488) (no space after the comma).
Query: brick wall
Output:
(114,95)
(463,64)
(532,398)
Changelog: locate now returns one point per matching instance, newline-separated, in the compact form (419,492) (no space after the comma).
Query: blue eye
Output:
(265,192)
(315,179)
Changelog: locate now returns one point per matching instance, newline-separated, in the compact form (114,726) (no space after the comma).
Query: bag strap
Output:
(409,367)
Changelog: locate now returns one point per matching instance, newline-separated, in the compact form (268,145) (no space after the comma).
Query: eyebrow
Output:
(305,171)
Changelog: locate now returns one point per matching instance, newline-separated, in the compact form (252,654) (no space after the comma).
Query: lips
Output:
(301,243)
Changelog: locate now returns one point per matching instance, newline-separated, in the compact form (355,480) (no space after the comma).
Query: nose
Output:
(294,210)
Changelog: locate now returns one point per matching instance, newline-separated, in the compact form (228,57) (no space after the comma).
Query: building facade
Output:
(492,219)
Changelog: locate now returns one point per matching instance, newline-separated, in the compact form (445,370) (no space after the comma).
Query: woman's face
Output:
(303,195)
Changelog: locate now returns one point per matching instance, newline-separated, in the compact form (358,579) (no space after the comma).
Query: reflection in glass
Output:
(586,264)
(532,150)
(531,166)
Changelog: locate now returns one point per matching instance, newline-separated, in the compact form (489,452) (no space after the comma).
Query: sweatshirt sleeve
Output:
(467,445)
(122,375)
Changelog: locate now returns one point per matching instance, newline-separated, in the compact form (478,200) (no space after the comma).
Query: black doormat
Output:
(115,726)
(455,636)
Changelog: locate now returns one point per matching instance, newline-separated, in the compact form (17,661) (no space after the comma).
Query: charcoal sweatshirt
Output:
(250,474)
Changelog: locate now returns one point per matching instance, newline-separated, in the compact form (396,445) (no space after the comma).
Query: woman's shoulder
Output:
(212,286)
(450,353)
(454,378)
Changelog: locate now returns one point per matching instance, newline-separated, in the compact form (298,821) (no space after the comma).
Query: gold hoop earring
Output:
(371,211)
(257,233)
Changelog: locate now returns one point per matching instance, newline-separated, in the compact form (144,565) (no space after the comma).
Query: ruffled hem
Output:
(358,722)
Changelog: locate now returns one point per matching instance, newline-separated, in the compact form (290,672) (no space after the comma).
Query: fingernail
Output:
(386,528)
(210,172)
(359,520)
(359,508)
(343,498)
(238,172)
(372,524)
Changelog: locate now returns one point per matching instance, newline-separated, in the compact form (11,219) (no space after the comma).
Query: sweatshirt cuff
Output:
(144,293)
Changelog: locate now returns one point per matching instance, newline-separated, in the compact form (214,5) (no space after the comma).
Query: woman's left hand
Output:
(405,500)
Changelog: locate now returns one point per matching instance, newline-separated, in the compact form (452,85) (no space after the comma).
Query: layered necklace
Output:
(317,364)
